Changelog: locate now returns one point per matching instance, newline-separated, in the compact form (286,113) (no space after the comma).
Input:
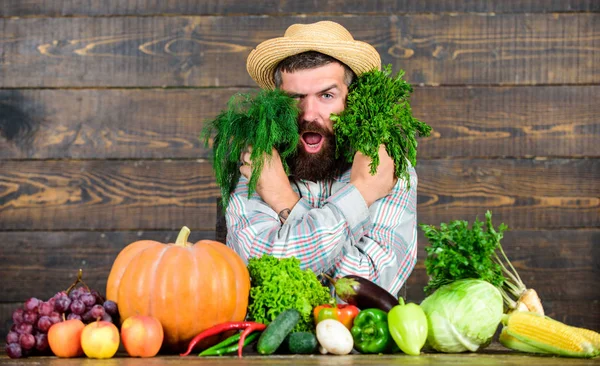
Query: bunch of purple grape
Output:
(28,334)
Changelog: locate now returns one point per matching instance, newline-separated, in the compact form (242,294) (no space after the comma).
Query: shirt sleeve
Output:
(341,237)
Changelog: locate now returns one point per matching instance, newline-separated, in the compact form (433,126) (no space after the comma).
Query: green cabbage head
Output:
(463,315)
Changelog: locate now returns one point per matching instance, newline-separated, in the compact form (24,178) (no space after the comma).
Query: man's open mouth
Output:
(312,142)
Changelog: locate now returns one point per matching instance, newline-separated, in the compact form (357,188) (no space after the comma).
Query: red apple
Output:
(142,335)
(64,338)
(100,339)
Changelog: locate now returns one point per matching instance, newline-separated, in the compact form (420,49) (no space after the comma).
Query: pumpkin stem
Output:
(182,238)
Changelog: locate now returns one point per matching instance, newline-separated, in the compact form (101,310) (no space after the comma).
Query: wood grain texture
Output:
(509,121)
(132,195)
(558,121)
(108,123)
(433,49)
(164,195)
(279,7)
(531,193)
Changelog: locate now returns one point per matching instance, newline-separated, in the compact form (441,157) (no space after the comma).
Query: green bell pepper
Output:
(408,327)
(370,332)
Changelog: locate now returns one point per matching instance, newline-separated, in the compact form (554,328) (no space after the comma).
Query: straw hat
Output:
(326,37)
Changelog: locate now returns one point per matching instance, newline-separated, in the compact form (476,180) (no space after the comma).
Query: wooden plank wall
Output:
(101,104)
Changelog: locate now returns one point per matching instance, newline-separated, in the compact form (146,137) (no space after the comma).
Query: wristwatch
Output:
(283,214)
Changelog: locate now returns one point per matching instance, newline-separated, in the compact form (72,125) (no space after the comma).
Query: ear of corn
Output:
(550,335)
(590,335)
(513,343)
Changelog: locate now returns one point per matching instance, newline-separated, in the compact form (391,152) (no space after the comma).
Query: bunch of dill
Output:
(378,112)
(265,120)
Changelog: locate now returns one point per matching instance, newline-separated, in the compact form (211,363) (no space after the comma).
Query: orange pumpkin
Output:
(188,287)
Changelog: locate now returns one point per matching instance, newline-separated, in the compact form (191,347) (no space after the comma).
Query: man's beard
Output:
(322,165)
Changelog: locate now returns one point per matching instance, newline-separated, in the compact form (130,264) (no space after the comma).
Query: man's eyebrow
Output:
(332,86)
(296,95)
(300,95)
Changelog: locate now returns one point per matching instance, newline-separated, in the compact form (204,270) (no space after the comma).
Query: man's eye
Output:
(328,96)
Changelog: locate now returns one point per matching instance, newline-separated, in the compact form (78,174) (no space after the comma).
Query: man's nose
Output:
(309,109)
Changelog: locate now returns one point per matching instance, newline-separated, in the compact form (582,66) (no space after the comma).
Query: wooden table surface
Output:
(495,354)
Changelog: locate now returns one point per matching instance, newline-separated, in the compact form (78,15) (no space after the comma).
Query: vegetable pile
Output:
(459,316)
(280,284)
(384,324)
(378,112)
(468,284)
(457,252)
(472,279)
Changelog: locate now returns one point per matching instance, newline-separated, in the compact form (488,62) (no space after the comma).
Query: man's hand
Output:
(373,187)
(273,184)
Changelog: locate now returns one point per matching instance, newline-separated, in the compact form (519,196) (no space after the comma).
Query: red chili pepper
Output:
(250,329)
(217,329)
(344,313)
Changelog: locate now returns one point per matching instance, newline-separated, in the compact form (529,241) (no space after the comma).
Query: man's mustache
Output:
(314,128)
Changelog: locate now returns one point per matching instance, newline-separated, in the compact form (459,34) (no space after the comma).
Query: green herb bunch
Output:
(280,284)
(266,120)
(378,112)
(457,251)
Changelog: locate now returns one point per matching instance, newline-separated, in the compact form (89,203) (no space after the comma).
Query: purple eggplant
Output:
(363,294)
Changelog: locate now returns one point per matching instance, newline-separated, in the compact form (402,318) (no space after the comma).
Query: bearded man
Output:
(335,217)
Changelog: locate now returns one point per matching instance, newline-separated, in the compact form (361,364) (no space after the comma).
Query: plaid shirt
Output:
(331,230)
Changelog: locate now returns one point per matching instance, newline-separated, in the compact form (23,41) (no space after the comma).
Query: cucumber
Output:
(301,343)
(272,337)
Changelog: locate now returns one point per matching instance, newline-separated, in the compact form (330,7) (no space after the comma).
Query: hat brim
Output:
(359,56)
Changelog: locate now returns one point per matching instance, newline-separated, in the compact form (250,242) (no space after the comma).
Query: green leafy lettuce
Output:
(280,284)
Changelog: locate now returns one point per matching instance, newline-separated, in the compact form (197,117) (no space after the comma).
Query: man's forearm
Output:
(280,201)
